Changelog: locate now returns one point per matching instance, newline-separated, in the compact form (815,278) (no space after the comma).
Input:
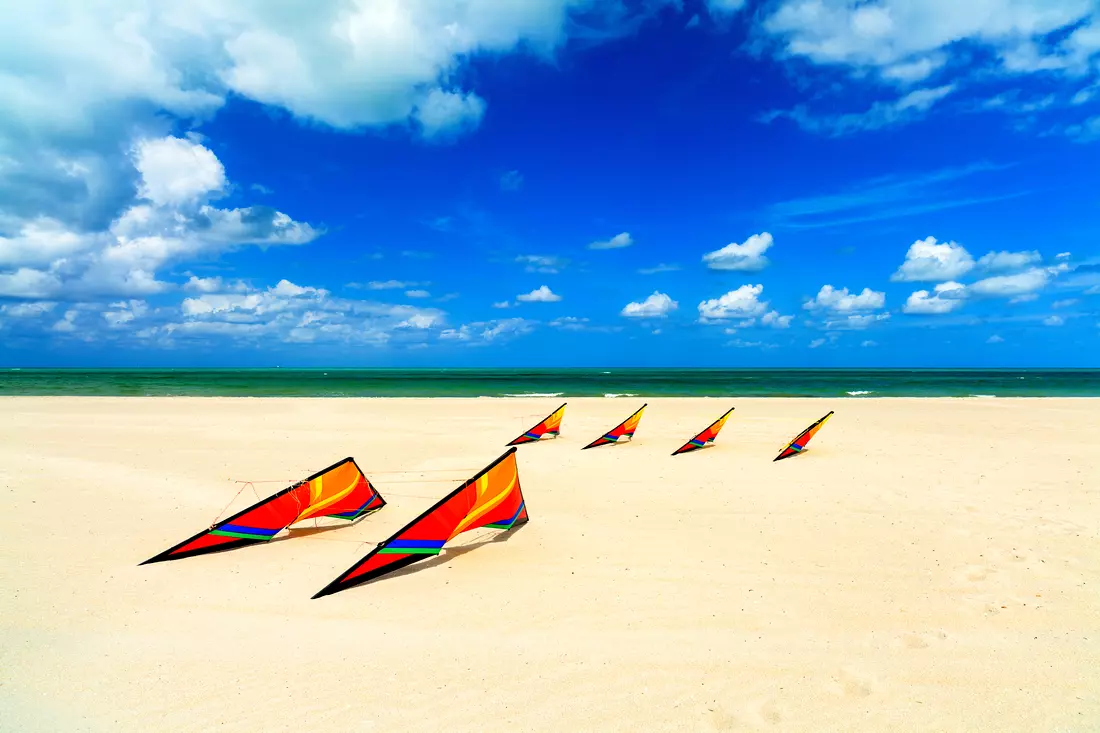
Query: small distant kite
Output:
(622,431)
(798,445)
(548,428)
(706,437)
(340,491)
(492,499)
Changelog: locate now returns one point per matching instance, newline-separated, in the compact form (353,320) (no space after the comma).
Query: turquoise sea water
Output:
(554,382)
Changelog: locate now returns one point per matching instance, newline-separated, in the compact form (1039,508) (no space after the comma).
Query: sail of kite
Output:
(548,428)
(706,437)
(340,491)
(624,430)
(798,445)
(492,499)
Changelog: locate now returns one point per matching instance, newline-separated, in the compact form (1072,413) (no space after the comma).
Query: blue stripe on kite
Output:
(532,436)
(355,512)
(699,443)
(416,544)
(516,515)
(248,530)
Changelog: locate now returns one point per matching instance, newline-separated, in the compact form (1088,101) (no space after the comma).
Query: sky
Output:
(713,183)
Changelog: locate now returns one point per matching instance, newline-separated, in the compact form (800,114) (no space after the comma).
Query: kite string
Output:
(244,485)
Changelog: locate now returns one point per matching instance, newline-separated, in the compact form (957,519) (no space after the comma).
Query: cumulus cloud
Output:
(541,294)
(619,241)
(177,171)
(1001,261)
(657,305)
(746,257)
(928,261)
(170,224)
(1023,283)
(995,339)
(1054,321)
(945,298)
(841,301)
(742,303)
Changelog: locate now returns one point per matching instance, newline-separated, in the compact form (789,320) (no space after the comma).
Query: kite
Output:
(625,429)
(340,491)
(490,499)
(704,438)
(548,428)
(798,445)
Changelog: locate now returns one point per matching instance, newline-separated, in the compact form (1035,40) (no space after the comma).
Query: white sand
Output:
(929,565)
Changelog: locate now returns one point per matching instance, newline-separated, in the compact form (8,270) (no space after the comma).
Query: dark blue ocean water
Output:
(554,382)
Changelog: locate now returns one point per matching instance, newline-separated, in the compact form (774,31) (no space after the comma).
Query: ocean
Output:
(554,383)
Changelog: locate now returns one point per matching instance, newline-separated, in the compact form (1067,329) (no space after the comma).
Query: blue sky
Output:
(554,182)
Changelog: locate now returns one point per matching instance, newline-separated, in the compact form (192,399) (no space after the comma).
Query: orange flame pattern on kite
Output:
(625,429)
(550,427)
(798,445)
(492,499)
(340,491)
(706,437)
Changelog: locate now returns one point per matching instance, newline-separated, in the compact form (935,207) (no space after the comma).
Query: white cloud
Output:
(27,310)
(444,114)
(747,257)
(213,285)
(855,322)
(1067,303)
(657,305)
(1000,261)
(390,284)
(995,339)
(417,294)
(175,171)
(841,301)
(945,298)
(1054,321)
(1063,256)
(546,264)
(658,269)
(124,312)
(867,344)
(773,319)
(740,303)
(68,323)
(174,226)
(620,240)
(503,304)
(1004,286)
(874,38)
(881,114)
(816,343)
(487,331)
(541,294)
(511,181)
(928,261)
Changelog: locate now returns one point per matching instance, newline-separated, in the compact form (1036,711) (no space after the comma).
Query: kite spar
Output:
(492,499)
(340,491)
(548,428)
(706,437)
(625,429)
(798,445)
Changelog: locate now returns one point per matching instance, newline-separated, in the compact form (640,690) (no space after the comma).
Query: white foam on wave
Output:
(986,396)
(620,394)
(858,392)
(536,394)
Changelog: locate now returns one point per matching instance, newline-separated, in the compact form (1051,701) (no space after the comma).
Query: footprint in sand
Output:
(852,684)
(922,640)
(973,573)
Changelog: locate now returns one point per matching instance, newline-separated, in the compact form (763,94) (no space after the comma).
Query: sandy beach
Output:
(929,564)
